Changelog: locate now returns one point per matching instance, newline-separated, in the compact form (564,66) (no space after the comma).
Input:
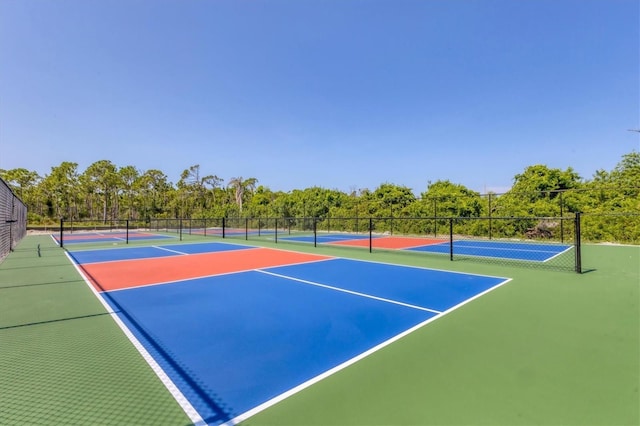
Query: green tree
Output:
(262,204)
(242,190)
(128,176)
(20,180)
(101,182)
(538,192)
(452,200)
(26,185)
(60,187)
(612,203)
(153,189)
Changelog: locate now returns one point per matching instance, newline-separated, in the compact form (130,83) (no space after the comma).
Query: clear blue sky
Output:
(343,94)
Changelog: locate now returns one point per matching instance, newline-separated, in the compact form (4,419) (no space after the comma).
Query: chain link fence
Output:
(552,242)
(13,220)
(541,242)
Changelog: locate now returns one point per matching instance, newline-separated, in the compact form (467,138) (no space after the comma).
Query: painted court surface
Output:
(101,237)
(535,252)
(236,328)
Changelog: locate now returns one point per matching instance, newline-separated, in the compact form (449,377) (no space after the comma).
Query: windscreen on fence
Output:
(13,220)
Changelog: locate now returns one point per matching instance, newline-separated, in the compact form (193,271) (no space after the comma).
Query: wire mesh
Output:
(13,220)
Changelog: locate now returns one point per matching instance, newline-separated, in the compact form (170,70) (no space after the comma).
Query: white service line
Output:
(169,250)
(369,296)
(244,416)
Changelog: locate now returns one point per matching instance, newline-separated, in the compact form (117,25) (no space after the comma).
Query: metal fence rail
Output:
(541,242)
(13,220)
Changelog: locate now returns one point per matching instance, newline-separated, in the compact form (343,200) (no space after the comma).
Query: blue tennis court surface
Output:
(130,253)
(242,340)
(107,237)
(536,252)
(498,249)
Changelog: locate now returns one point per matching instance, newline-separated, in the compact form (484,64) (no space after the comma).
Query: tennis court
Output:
(107,236)
(174,333)
(233,328)
(498,249)
(536,252)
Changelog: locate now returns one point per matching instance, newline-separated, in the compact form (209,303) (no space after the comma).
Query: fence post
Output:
(180,228)
(127,241)
(370,235)
(578,244)
(61,233)
(561,221)
(315,234)
(276,230)
(246,228)
(450,239)
(223,226)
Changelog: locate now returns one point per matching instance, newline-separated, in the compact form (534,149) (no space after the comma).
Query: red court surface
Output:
(134,273)
(391,242)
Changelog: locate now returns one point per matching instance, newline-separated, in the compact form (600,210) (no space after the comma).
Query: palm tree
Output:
(241,187)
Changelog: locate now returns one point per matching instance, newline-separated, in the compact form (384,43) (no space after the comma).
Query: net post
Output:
(561,220)
(127,231)
(61,232)
(450,238)
(224,222)
(370,234)
(578,244)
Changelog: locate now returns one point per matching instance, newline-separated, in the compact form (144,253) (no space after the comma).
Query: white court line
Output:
(244,416)
(169,250)
(368,296)
(558,254)
(304,262)
(424,268)
(460,252)
(526,250)
(149,257)
(184,403)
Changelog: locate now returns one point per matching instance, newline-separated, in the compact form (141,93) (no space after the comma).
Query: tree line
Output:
(104,192)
